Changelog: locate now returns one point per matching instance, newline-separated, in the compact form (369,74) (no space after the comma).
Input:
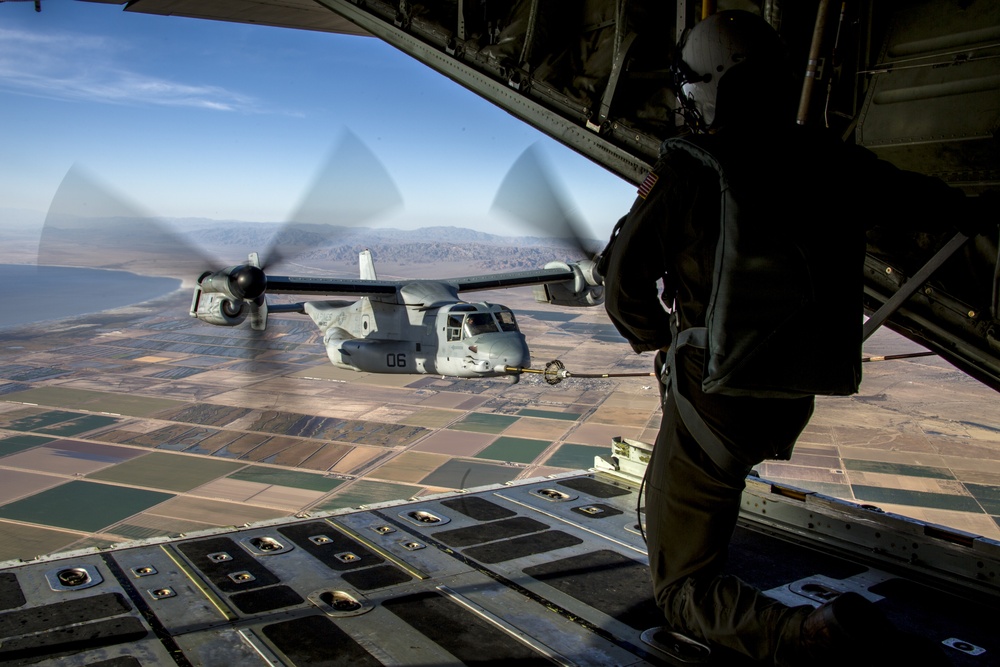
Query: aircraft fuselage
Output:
(457,339)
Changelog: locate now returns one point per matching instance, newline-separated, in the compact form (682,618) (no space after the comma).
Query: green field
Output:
(172,472)
(518,450)
(481,422)
(576,457)
(296,480)
(83,506)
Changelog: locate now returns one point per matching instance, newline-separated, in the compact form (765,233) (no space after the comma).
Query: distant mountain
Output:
(332,245)
(223,233)
(179,243)
(487,257)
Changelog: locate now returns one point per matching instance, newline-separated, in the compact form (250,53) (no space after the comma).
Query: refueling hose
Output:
(555,371)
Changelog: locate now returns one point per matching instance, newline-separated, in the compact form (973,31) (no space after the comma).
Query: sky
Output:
(206,119)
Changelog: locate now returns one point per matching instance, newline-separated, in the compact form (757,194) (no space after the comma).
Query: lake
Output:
(39,293)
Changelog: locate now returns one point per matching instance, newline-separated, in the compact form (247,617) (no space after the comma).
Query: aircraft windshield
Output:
(479,323)
(506,320)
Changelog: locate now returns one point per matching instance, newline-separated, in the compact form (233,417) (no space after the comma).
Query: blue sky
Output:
(194,118)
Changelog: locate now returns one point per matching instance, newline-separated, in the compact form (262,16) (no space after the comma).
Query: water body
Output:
(39,293)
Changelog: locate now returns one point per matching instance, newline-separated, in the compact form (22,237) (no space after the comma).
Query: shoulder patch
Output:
(647,184)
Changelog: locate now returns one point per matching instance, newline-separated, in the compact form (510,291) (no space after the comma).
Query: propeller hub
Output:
(248,282)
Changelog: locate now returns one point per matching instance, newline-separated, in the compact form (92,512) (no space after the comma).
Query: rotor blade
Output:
(351,188)
(90,226)
(530,193)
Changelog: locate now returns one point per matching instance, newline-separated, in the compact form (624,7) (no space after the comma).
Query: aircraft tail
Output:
(367,265)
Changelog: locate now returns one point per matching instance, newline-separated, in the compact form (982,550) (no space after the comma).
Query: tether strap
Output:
(702,433)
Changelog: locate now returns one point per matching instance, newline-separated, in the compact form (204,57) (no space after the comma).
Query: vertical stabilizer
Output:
(367,265)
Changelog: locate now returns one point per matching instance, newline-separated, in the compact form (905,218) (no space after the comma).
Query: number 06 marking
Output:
(395,360)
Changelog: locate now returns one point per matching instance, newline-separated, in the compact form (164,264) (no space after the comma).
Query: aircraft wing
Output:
(299,14)
(373,288)
(913,82)
(275,308)
(512,279)
(330,286)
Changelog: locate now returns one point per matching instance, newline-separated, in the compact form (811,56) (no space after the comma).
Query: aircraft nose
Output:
(510,351)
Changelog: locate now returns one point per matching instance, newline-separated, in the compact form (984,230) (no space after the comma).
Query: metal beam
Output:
(913,284)
(576,137)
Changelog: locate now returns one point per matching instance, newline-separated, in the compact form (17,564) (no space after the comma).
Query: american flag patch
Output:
(647,185)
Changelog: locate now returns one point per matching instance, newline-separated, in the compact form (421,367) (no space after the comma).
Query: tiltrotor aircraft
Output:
(407,327)
(421,326)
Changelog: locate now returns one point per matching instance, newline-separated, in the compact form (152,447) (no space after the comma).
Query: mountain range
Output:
(182,243)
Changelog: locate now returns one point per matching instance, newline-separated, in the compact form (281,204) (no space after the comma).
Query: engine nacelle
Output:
(586,288)
(217,308)
(244,282)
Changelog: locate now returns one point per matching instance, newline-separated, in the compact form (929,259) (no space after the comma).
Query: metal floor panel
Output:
(548,571)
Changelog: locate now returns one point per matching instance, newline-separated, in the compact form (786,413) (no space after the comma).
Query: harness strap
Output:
(702,433)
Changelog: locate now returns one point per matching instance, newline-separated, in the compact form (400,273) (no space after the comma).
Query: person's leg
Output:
(691,512)
(692,507)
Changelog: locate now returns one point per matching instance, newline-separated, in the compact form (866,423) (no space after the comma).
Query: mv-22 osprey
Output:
(418,326)
(408,326)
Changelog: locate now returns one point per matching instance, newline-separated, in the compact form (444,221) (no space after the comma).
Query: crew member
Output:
(809,194)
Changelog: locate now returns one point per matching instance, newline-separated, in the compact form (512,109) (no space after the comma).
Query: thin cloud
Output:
(77,67)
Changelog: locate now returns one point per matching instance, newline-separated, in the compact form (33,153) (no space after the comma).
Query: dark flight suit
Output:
(809,184)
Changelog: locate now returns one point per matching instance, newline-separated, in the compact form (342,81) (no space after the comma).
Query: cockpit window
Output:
(454,327)
(479,323)
(506,320)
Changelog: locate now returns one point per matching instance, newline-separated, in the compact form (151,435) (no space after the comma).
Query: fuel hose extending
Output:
(555,372)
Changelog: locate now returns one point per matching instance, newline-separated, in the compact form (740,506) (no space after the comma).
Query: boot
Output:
(851,630)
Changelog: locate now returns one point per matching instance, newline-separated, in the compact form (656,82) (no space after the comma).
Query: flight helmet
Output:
(724,64)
